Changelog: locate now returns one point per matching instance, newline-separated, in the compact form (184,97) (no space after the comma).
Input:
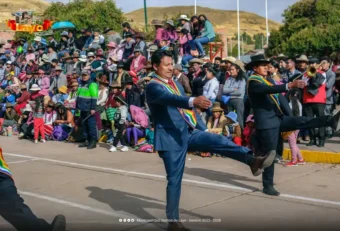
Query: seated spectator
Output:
(120,76)
(210,88)
(127,29)
(161,34)
(110,52)
(22,100)
(207,34)
(184,38)
(234,88)
(128,50)
(58,81)
(9,97)
(138,62)
(248,132)
(11,117)
(43,80)
(26,122)
(120,119)
(135,131)
(70,102)
(217,121)
(171,31)
(141,45)
(50,117)
(185,22)
(65,118)
(132,93)
(233,129)
(61,96)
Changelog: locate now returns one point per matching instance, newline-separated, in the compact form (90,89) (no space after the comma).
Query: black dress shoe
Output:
(321,143)
(263,162)
(92,145)
(176,226)
(84,145)
(59,223)
(271,191)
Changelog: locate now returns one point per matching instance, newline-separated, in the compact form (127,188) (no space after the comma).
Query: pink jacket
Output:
(161,34)
(183,40)
(45,82)
(141,64)
(172,35)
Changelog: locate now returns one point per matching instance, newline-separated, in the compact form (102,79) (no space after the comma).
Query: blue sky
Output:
(275,7)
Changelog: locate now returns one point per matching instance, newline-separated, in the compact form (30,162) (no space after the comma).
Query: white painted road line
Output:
(217,185)
(21,161)
(75,205)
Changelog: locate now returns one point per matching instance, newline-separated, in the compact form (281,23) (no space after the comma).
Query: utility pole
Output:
(195,7)
(262,40)
(242,45)
(238,29)
(146,16)
(267,28)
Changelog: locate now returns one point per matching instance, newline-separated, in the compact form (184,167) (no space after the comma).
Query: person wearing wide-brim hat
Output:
(185,22)
(67,56)
(35,87)
(302,63)
(196,60)
(103,80)
(171,30)
(121,99)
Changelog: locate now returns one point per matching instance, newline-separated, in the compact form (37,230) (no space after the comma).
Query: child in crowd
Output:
(248,132)
(233,129)
(50,117)
(61,96)
(120,118)
(38,114)
(9,97)
(296,107)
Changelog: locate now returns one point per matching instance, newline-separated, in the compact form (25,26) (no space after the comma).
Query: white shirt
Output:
(210,89)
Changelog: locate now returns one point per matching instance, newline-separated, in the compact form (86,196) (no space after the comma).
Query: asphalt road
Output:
(97,190)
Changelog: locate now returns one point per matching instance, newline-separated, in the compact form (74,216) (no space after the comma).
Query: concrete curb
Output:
(315,156)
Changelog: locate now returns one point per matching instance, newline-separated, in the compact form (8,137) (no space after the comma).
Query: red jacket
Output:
(25,96)
(320,97)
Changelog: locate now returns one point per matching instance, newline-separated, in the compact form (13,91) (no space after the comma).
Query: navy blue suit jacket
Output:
(266,113)
(171,130)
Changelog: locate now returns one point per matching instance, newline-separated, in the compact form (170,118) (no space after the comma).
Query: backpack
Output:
(139,116)
(59,134)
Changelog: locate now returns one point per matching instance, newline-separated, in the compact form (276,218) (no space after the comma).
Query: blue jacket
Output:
(171,130)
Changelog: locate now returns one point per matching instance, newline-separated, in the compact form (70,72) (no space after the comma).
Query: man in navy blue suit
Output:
(178,130)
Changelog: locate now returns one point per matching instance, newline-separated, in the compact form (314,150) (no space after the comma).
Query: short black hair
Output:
(218,58)
(126,24)
(325,58)
(159,55)
(212,70)
(54,61)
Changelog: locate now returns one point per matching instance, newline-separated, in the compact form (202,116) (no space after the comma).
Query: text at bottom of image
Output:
(132,220)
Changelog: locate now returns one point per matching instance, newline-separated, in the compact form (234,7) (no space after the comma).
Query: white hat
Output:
(184,17)
(83,58)
(27,108)
(230,59)
(35,87)
(37,38)
(90,54)
(9,62)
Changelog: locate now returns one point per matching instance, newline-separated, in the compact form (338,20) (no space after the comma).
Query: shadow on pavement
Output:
(134,204)
(222,177)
